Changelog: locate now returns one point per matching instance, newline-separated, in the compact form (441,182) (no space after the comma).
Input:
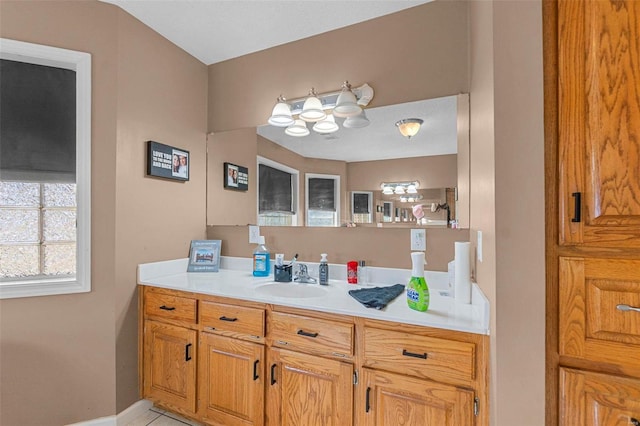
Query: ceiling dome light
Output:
(312,108)
(281,115)
(346,105)
(357,121)
(297,129)
(328,125)
(409,126)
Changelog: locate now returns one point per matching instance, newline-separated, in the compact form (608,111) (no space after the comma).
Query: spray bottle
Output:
(417,289)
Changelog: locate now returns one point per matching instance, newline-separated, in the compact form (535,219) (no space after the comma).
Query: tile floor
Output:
(159,417)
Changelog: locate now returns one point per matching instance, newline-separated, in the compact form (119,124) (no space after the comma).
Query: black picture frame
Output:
(235,177)
(167,161)
(204,256)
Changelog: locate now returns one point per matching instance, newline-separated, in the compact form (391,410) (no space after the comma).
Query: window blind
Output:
(37,123)
(361,203)
(322,194)
(274,192)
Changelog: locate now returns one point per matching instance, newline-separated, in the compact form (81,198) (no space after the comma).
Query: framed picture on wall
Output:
(204,256)
(235,177)
(167,161)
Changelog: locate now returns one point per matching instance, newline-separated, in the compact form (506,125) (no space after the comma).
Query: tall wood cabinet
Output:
(592,125)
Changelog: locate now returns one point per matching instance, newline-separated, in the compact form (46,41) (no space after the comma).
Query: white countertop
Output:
(235,280)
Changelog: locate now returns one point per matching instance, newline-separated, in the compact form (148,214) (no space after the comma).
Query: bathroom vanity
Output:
(229,349)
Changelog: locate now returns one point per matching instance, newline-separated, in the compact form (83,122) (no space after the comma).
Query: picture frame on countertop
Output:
(204,256)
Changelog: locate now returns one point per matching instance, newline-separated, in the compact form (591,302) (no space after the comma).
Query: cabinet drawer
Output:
(420,356)
(170,307)
(238,319)
(311,334)
(592,325)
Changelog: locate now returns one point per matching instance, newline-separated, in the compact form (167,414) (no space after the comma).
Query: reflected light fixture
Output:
(281,115)
(357,121)
(408,127)
(297,129)
(400,188)
(312,108)
(328,125)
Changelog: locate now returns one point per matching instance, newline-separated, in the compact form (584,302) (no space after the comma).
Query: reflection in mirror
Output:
(363,158)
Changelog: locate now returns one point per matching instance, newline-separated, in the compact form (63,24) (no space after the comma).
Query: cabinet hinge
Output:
(476,406)
(355,377)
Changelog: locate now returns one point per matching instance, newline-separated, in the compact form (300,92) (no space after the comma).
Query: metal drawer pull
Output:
(414,355)
(166,308)
(187,355)
(626,308)
(255,369)
(367,405)
(223,318)
(306,333)
(577,208)
(634,422)
(273,374)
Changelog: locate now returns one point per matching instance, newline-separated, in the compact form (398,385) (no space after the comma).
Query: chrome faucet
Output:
(302,275)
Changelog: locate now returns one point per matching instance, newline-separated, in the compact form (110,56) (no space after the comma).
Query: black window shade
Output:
(322,194)
(274,192)
(361,203)
(37,122)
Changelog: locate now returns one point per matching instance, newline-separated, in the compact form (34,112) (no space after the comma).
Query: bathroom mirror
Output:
(363,158)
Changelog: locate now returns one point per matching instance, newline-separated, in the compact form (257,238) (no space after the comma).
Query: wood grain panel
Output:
(590,325)
(399,400)
(397,351)
(322,336)
(599,121)
(598,399)
(233,318)
(170,307)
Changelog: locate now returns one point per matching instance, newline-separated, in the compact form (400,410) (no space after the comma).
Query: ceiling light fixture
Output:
(297,129)
(346,103)
(408,127)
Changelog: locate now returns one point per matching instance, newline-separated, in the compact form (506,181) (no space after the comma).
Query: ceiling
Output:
(217,30)
(381,140)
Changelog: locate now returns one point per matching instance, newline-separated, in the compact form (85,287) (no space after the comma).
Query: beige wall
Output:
(507,204)
(65,359)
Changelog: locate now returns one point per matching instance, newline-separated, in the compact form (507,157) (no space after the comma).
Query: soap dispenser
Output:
(261,260)
(417,289)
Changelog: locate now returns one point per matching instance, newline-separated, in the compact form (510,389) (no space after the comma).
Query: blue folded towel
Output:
(377,297)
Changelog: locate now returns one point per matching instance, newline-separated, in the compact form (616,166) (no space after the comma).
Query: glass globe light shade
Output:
(357,121)
(297,129)
(281,115)
(346,105)
(328,125)
(409,126)
(312,109)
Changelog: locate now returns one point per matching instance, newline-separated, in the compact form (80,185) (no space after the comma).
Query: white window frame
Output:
(295,184)
(336,195)
(80,62)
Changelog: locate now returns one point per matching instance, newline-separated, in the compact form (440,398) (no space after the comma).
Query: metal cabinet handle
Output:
(187,355)
(167,308)
(626,308)
(223,318)
(577,206)
(634,421)
(414,355)
(273,374)
(306,333)
(255,369)
(367,405)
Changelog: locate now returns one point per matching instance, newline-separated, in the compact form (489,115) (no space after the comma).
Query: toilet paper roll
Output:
(462,278)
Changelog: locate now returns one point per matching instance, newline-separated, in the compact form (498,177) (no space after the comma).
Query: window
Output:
(361,206)
(322,199)
(45,170)
(277,194)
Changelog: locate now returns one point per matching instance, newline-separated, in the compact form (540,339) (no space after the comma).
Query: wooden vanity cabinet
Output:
(169,350)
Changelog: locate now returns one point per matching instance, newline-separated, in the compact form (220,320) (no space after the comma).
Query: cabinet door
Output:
(599,122)
(231,381)
(392,399)
(597,317)
(308,390)
(170,365)
(598,399)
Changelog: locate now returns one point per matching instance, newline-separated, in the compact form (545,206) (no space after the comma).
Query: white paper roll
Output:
(462,278)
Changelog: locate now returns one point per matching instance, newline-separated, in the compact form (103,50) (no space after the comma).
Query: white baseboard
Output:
(122,419)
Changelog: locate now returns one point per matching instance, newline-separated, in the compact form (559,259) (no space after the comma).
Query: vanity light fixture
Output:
(400,188)
(346,103)
(297,129)
(408,127)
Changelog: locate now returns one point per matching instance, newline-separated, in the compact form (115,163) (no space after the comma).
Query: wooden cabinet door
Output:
(231,381)
(391,399)
(308,390)
(599,122)
(598,399)
(170,365)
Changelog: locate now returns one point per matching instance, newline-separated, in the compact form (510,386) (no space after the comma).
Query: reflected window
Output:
(277,194)
(323,199)
(361,206)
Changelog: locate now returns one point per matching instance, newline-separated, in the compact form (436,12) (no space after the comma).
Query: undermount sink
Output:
(292,290)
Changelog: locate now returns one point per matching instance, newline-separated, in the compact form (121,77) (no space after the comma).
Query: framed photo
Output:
(167,161)
(235,177)
(204,256)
